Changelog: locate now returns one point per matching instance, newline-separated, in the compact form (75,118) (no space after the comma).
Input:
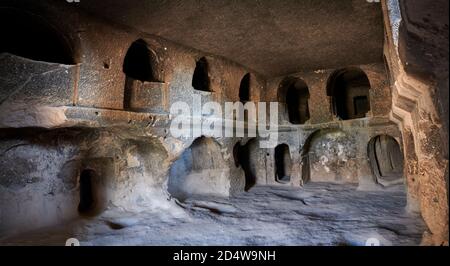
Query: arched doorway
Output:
(386,159)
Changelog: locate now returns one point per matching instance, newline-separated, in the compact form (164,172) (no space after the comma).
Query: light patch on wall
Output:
(132,159)
(21,115)
(324,161)
(395,18)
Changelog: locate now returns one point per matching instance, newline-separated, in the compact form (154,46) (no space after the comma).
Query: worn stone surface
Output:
(420,69)
(318,214)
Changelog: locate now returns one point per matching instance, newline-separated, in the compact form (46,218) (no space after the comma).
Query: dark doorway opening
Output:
(200,80)
(283,164)
(30,36)
(349,89)
(243,159)
(87,198)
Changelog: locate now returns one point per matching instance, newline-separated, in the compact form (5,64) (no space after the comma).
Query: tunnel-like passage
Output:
(349,91)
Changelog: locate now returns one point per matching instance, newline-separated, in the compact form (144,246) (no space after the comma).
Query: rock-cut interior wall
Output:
(419,71)
(91,133)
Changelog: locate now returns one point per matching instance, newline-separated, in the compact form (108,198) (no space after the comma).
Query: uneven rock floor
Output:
(318,214)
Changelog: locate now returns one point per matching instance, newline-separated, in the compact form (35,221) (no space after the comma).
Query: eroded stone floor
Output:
(318,214)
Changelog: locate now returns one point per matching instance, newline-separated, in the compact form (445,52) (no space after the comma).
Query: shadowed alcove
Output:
(30,36)
(349,91)
(200,79)
(283,164)
(138,66)
(244,89)
(386,158)
(295,94)
(138,62)
(199,171)
(242,157)
(87,192)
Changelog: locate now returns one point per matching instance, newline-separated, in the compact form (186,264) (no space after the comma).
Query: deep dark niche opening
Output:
(242,158)
(386,157)
(282,164)
(200,80)
(297,102)
(138,62)
(244,89)
(87,200)
(295,94)
(349,89)
(360,105)
(30,36)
